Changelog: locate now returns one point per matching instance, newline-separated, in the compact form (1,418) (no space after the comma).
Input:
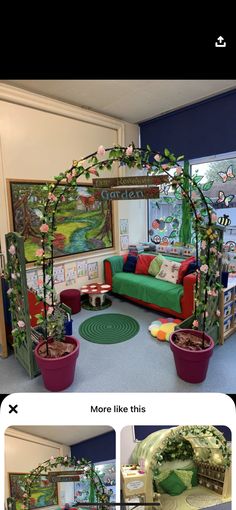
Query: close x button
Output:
(13,409)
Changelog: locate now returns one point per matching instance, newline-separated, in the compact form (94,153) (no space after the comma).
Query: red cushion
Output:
(184,268)
(143,263)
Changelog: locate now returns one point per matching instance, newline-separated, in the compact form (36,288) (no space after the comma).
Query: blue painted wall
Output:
(202,129)
(96,449)
(142,431)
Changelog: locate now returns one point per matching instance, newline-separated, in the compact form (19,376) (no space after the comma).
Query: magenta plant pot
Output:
(191,366)
(58,373)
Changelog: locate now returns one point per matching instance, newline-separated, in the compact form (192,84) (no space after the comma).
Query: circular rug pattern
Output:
(203,500)
(109,328)
(86,305)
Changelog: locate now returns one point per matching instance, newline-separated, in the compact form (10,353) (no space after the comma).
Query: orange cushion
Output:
(184,268)
(143,263)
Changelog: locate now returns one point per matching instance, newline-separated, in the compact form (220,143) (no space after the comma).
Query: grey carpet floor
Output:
(141,364)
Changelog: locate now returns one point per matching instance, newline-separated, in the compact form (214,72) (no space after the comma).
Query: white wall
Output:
(23,452)
(40,137)
(127,444)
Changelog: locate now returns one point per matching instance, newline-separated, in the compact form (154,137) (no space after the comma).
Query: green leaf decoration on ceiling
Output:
(173,234)
(178,195)
(197,178)
(169,200)
(208,200)
(207,185)
(169,219)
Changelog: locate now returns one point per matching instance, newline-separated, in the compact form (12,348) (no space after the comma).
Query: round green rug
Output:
(110,328)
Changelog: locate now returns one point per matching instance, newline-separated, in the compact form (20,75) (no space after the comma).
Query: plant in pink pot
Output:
(192,343)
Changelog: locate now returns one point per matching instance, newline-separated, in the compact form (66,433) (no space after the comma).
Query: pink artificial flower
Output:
(178,171)
(218,313)
(12,249)
(39,252)
(69,177)
(101,151)
(13,276)
(51,458)
(210,292)
(50,310)
(203,245)
(148,167)
(195,324)
(25,495)
(129,150)
(214,292)
(93,171)
(214,218)
(165,166)
(63,199)
(21,324)
(52,197)
(204,268)
(9,291)
(206,314)
(157,157)
(44,228)
(39,282)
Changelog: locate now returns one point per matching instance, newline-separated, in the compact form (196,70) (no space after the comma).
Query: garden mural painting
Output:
(43,492)
(83,223)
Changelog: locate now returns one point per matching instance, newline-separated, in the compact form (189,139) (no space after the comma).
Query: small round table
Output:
(96,292)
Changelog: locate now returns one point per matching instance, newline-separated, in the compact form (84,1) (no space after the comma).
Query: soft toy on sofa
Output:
(162,328)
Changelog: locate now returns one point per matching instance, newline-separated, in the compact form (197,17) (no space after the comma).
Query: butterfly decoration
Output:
(222,199)
(158,224)
(164,188)
(228,174)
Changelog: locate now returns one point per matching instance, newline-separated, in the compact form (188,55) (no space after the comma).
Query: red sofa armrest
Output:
(187,301)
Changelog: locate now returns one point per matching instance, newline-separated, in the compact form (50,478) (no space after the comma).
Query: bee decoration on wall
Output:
(224,220)
(228,174)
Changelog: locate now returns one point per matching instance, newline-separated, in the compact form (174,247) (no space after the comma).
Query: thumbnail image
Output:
(176,467)
(59,468)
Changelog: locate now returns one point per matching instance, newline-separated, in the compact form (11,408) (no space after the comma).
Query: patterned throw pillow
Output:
(169,271)
(155,265)
(173,485)
(185,476)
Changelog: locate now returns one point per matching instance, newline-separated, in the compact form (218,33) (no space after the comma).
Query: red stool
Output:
(71,298)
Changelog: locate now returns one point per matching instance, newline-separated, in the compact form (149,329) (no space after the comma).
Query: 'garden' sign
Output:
(126,193)
(130,181)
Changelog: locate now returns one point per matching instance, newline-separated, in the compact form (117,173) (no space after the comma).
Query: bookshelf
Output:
(215,478)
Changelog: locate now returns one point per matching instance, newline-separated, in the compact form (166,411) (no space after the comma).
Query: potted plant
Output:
(192,346)
(57,353)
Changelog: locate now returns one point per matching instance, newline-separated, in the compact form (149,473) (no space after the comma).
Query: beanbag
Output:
(162,328)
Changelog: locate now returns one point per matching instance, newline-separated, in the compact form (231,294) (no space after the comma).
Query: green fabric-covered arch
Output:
(198,442)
